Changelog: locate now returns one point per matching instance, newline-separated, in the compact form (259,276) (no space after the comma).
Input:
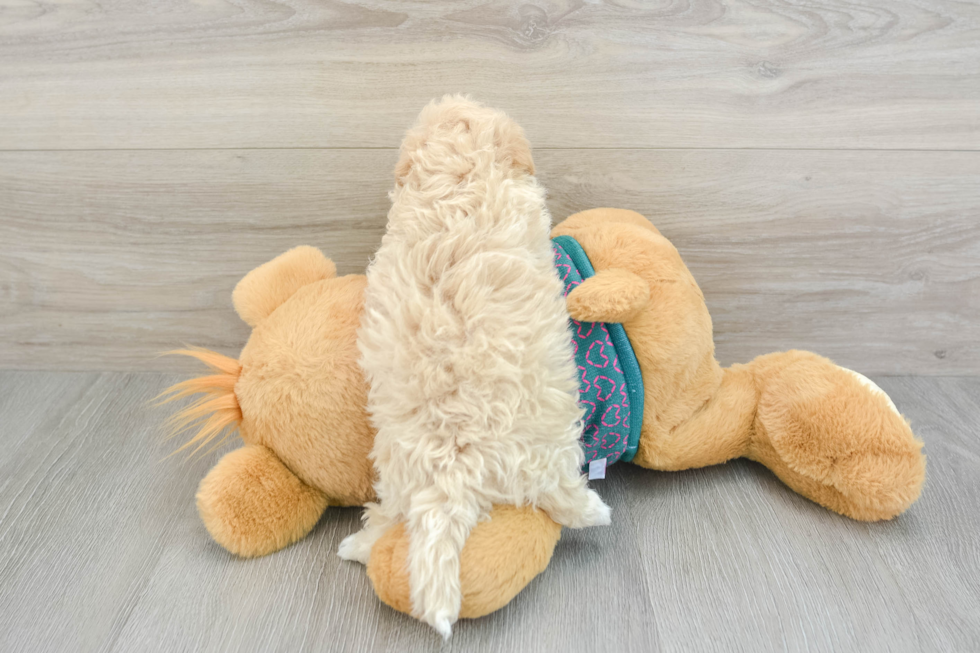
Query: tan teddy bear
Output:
(296,396)
(468,243)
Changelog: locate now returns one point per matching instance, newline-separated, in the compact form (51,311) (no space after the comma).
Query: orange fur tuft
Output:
(215,414)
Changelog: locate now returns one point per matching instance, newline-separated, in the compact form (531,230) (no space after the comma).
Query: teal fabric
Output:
(610,383)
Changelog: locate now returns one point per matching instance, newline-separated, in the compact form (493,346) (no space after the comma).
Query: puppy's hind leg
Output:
(356,547)
(576,507)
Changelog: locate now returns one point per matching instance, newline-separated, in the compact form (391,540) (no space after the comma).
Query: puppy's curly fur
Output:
(465,345)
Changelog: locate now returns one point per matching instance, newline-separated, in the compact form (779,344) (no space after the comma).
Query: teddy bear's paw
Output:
(611,295)
(357,547)
(873,387)
(835,437)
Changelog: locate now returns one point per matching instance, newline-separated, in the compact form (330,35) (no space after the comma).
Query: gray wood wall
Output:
(817,165)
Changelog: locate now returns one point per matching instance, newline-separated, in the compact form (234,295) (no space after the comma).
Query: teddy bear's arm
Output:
(253,505)
(612,295)
(266,287)
(501,556)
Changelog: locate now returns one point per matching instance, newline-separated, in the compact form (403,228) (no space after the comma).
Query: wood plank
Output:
(867,257)
(86,506)
(743,563)
(944,414)
(140,252)
(182,74)
(101,550)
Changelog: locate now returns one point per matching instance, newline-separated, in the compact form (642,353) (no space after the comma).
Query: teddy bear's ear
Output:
(266,287)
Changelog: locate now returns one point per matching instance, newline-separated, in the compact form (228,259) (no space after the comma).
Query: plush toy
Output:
(297,396)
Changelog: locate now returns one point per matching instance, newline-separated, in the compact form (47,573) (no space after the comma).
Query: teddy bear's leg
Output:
(712,431)
(834,437)
(828,433)
(500,557)
(252,504)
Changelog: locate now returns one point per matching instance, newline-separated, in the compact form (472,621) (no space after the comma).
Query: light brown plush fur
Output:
(501,556)
(253,505)
(297,398)
(298,402)
(819,429)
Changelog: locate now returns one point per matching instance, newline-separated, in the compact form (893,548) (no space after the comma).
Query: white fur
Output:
(873,387)
(466,348)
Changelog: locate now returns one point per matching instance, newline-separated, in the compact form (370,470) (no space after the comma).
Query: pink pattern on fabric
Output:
(624,393)
(589,435)
(590,413)
(605,416)
(601,378)
(567,269)
(610,384)
(602,352)
(606,444)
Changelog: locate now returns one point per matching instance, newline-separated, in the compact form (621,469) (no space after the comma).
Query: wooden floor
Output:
(101,549)
(816,162)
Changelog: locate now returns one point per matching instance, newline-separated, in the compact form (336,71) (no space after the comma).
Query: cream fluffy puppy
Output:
(465,345)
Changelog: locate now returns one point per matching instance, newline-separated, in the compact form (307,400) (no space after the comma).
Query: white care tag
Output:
(597,469)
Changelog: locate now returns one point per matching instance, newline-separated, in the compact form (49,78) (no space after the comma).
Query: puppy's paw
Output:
(582,509)
(596,512)
(357,547)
